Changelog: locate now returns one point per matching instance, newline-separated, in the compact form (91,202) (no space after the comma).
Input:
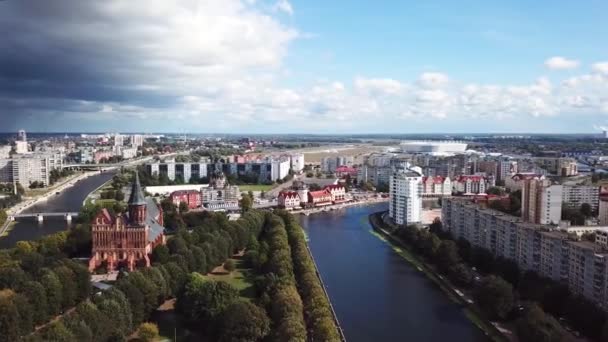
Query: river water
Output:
(378,295)
(69,200)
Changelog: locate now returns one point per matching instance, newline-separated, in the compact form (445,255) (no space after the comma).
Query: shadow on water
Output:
(377,295)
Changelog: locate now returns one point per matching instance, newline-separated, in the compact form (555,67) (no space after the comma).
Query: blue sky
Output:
(291,66)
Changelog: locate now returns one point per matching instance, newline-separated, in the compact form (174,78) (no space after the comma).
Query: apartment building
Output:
(471,184)
(573,196)
(405,205)
(436,186)
(516,181)
(581,265)
(541,201)
(6,170)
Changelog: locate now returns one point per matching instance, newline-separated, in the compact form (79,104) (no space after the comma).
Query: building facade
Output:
(191,197)
(126,240)
(436,186)
(289,200)
(573,196)
(541,202)
(405,190)
(471,184)
(581,265)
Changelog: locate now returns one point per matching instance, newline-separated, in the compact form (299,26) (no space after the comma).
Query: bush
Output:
(148,332)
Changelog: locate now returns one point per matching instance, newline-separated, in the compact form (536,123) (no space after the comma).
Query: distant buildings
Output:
(5,152)
(415,146)
(34,167)
(330,164)
(268,169)
(405,189)
(289,200)
(21,135)
(297,162)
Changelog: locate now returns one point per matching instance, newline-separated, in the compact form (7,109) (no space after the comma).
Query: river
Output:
(378,295)
(69,200)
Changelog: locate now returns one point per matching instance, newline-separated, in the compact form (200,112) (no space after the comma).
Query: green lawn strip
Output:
(256,187)
(241,279)
(471,311)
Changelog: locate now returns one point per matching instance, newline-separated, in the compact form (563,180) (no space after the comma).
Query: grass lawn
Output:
(105,201)
(256,187)
(241,278)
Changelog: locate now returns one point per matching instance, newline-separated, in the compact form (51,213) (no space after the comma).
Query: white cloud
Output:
(601,67)
(433,79)
(284,6)
(561,63)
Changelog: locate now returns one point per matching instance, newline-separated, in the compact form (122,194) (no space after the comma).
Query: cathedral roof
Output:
(152,213)
(137,195)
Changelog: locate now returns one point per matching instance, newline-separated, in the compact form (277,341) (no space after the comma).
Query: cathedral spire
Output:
(137,195)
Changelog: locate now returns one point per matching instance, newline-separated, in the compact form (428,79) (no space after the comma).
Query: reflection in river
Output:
(70,200)
(377,295)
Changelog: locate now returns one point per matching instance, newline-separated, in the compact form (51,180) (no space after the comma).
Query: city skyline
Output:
(303,67)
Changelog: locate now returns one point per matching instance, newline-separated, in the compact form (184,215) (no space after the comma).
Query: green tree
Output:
(58,332)
(183,207)
(148,332)
(494,190)
(203,300)
(9,318)
(246,203)
(160,254)
(3,216)
(119,196)
(54,291)
(229,265)
(35,293)
(244,322)
(447,255)
(536,326)
(495,297)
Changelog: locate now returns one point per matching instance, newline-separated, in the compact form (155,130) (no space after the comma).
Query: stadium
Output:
(433,147)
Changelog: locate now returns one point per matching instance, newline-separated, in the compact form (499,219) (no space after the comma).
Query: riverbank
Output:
(339,206)
(457,296)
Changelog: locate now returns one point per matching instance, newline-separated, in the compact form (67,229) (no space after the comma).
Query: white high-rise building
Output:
(602,212)
(297,162)
(405,206)
(118,140)
(22,136)
(137,140)
(21,147)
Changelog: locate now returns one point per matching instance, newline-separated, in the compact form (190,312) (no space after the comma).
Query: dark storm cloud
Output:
(56,50)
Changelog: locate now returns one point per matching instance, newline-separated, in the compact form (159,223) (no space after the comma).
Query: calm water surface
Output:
(377,295)
(69,200)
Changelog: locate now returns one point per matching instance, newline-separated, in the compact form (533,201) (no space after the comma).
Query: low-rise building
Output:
(471,184)
(319,198)
(436,186)
(191,197)
(337,191)
(289,200)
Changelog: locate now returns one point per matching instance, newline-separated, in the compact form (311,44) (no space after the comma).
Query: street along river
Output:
(69,200)
(378,295)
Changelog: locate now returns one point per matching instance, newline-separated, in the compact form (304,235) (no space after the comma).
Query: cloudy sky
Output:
(303,66)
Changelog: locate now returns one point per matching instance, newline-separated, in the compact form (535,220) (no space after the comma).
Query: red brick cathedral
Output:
(126,240)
